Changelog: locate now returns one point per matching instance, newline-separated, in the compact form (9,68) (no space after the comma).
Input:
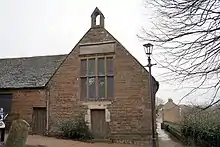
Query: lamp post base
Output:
(154,142)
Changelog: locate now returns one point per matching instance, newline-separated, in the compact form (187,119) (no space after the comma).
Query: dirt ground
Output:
(42,141)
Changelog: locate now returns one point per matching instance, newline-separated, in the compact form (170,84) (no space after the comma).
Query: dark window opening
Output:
(97,78)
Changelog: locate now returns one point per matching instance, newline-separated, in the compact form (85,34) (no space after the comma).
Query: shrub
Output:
(202,127)
(75,129)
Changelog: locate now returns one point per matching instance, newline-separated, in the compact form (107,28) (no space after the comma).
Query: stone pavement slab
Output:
(170,143)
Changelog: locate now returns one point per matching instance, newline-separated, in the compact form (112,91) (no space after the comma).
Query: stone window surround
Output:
(106,75)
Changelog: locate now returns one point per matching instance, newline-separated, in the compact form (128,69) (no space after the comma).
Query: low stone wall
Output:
(177,134)
(167,127)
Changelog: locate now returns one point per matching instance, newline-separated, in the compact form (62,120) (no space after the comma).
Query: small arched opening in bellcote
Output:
(97,18)
(97,21)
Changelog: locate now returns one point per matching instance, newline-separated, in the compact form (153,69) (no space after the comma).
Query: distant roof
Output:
(170,104)
(28,72)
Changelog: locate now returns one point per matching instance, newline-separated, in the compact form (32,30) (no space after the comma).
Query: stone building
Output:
(98,80)
(171,112)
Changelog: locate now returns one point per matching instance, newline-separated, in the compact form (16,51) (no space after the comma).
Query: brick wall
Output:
(130,109)
(24,100)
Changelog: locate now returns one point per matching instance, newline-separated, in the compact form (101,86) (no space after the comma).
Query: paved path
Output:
(164,138)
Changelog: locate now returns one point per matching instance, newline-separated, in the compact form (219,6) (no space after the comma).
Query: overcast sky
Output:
(49,27)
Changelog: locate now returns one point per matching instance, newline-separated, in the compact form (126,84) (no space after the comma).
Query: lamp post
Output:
(148,48)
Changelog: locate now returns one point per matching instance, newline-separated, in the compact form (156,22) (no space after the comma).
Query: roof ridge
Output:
(26,57)
(26,72)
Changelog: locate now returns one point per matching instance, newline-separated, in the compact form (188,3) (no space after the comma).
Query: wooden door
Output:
(98,123)
(39,120)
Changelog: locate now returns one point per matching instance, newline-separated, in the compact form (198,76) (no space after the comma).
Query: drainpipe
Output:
(47,109)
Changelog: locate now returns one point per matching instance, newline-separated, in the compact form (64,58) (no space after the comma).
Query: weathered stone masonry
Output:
(127,115)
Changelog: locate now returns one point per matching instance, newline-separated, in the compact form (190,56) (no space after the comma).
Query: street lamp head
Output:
(148,48)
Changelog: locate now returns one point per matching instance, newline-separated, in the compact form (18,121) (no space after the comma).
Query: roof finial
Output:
(170,100)
(94,21)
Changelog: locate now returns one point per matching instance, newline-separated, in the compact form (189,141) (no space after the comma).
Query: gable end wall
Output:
(129,110)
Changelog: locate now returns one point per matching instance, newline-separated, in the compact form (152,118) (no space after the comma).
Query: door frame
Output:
(33,120)
(97,105)
(8,93)
(105,122)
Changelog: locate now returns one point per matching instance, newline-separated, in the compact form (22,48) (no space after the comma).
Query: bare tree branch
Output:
(187,34)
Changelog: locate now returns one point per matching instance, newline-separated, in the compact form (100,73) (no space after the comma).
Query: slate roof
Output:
(28,72)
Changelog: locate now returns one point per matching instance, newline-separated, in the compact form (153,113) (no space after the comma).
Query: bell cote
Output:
(97,19)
